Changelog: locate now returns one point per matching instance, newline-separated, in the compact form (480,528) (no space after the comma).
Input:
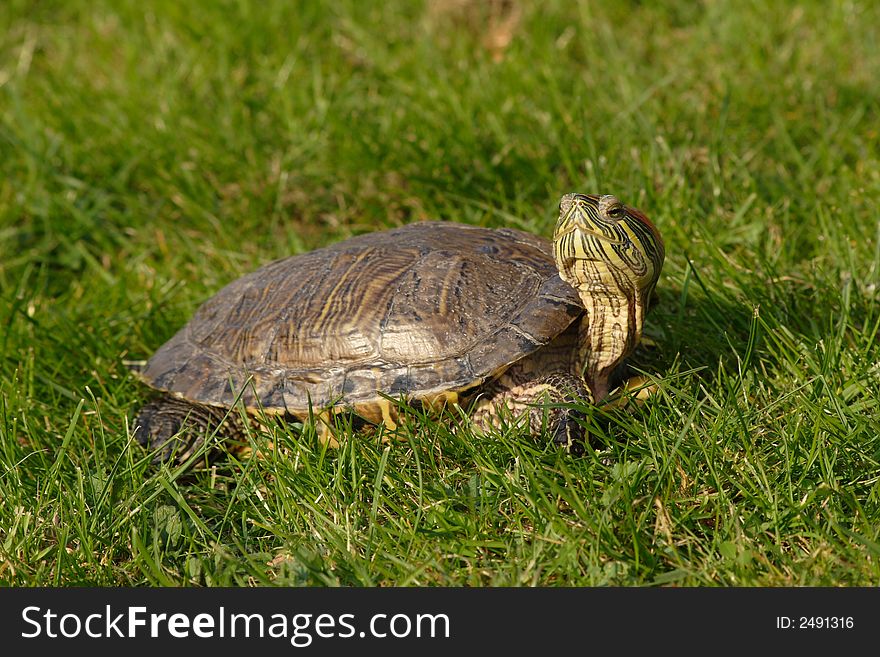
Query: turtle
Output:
(433,313)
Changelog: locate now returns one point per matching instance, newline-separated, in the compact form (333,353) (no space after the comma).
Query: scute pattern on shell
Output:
(419,310)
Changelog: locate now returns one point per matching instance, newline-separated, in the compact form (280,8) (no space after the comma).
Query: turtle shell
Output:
(420,311)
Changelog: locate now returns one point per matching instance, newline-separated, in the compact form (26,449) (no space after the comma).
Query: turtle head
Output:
(603,246)
(612,255)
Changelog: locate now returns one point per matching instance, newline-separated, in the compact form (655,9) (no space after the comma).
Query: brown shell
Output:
(417,311)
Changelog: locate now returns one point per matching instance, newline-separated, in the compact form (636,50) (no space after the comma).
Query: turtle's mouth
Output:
(588,219)
(580,227)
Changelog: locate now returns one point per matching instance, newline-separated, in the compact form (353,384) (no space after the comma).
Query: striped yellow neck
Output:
(611,255)
(611,326)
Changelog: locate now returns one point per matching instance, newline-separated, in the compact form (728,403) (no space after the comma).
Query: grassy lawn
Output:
(151,152)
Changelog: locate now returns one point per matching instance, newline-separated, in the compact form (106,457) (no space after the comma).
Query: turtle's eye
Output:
(616,212)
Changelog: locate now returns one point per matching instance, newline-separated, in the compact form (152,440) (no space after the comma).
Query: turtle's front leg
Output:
(173,428)
(547,401)
(633,393)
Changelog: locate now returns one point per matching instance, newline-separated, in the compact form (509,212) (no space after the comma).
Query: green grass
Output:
(152,151)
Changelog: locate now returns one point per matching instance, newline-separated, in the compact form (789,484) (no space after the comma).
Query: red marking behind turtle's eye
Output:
(641,216)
